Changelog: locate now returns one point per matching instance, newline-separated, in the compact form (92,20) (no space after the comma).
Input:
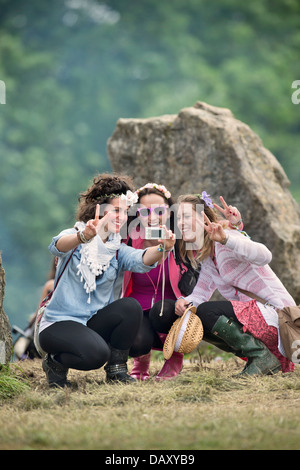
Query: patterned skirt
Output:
(250,316)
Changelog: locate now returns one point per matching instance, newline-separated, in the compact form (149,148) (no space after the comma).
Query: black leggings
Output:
(86,347)
(208,312)
(146,338)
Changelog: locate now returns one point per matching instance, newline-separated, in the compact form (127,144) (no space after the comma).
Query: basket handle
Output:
(192,308)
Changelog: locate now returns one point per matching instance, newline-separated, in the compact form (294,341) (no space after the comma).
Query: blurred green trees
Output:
(73,67)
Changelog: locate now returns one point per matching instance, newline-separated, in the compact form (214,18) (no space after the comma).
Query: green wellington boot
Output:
(260,360)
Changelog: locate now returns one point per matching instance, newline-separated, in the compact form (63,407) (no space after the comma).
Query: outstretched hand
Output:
(230,213)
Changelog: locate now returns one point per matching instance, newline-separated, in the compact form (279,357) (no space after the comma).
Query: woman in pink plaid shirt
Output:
(231,263)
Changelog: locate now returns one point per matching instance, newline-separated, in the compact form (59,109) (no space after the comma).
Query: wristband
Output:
(82,238)
(225,241)
(237,224)
(160,248)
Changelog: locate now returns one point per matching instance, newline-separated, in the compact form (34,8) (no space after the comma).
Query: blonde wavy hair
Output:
(208,245)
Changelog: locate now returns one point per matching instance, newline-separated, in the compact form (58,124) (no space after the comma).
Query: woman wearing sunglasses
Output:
(154,202)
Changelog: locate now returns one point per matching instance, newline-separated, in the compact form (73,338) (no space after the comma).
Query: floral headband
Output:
(206,198)
(131,198)
(159,187)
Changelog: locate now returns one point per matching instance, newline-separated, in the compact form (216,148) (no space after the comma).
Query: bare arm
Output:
(69,242)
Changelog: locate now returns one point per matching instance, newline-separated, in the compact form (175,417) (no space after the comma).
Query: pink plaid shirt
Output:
(242,263)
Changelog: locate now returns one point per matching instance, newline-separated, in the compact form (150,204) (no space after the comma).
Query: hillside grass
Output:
(206,407)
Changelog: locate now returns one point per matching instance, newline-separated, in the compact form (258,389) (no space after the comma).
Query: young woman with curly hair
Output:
(83,327)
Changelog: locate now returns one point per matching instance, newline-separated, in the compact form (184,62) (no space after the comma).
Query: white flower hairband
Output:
(130,197)
(159,187)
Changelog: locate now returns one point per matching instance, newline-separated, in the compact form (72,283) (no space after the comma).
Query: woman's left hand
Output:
(215,230)
(231,213)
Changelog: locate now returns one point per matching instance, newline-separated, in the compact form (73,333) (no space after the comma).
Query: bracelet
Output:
(81,237)
(189,304)
(160,248)
(237,224)
(225,241)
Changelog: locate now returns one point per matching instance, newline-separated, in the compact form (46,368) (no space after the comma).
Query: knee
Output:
(168,309)
(203,309)
(206,315)
(132,308)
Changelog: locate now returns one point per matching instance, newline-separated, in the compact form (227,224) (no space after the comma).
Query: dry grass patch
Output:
(204,408)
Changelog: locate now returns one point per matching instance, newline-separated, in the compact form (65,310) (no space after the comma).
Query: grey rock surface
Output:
(207,148)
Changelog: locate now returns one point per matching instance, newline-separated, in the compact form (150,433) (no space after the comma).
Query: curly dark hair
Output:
(104,186)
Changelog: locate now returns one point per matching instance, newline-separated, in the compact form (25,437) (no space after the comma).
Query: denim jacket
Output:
(69,300)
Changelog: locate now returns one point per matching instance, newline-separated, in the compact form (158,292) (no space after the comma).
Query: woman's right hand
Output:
(69,242)
(90,230)
(214,230)
(181,306)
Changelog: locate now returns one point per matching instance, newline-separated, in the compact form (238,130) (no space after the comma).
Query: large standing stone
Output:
(5,329)
(206,148)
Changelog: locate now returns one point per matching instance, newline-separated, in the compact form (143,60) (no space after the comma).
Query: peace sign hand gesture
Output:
(215,230)
(91,227)
(230,213)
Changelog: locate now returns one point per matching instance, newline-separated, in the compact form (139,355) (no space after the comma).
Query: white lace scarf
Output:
(95,258)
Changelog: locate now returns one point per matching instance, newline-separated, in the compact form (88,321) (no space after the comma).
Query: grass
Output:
(206,407)
(11,384)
